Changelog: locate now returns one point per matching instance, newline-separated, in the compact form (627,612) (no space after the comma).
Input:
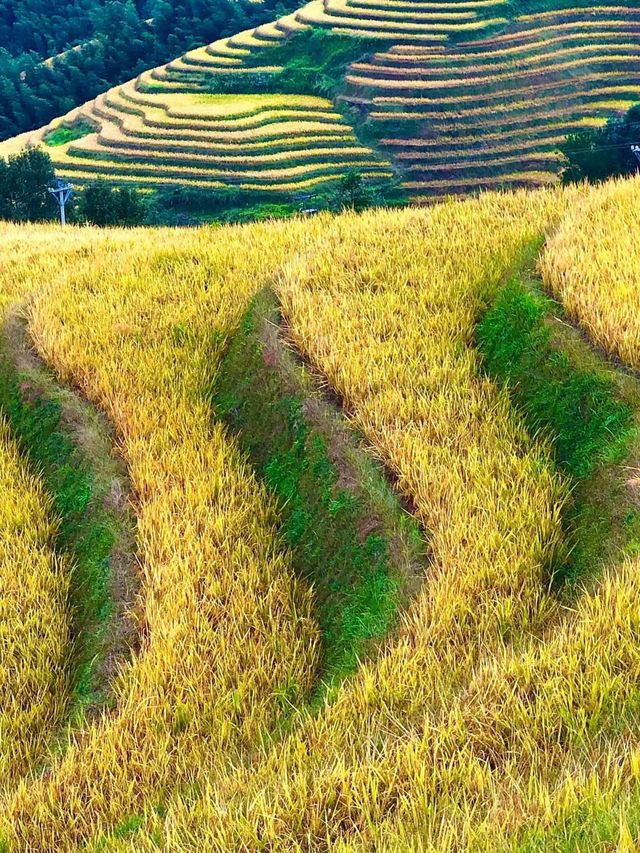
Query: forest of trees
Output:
(120,39)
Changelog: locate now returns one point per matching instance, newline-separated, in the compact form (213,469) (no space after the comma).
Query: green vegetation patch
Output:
(589,425)
(596,824)
(61,135)
(597,153)
(566,392)
(348,535)
(60,436)
(313,62)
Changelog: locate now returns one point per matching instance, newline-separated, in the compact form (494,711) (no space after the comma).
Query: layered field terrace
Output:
(451,97)
(258,142)
(493,111)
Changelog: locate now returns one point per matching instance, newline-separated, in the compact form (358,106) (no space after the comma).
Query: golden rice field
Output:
(199,139)
(590,266)
(34,617)
(500,712)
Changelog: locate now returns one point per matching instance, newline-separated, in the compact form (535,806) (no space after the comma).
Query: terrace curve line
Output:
(349,533)
(72,445)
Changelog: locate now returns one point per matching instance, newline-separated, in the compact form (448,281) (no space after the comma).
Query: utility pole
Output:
(62,193)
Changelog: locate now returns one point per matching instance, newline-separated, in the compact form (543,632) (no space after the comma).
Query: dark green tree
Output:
(24,182)
(353,194)
(603,152)
(130,206)
(104,206)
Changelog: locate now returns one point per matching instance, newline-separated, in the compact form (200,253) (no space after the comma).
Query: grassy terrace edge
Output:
(589,409)
(69,444)
(347,532)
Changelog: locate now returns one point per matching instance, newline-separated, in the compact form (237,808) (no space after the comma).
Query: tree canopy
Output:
(103,205)
(604,152)
(119,39)
(24,182)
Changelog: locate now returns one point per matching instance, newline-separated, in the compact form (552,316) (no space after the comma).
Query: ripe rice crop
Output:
(439,156)
(85,174)
(521,138)
(590,266)
(132,137)
(391,291)
(175,155)
(295,131)
(228,639)
(517,120)
(574,57)
(514,111)
(532,160)
(316,13)
(524,95)
(460,736)
(428,5)
(560,28)
(447,16)
(270,178)
(599,67)
(524,50)
(494,716)
(585,60)
(563,14)
(133,328)
(34,678)
(478,182)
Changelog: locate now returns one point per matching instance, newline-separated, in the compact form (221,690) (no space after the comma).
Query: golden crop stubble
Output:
(226,626)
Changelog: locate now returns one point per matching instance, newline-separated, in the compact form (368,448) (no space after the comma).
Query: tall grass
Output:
(34,619)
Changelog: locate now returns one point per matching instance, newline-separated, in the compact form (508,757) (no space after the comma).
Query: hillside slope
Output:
(485,700)
(448,97)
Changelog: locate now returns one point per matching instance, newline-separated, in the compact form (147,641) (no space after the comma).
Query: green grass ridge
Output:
(323,523)
(563,390)
(86,530)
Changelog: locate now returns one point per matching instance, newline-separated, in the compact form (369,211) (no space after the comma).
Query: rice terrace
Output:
(319,426)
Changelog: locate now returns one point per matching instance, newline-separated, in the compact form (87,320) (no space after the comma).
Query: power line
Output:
(597,148)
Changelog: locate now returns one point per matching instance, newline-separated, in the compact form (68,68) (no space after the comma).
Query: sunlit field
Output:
(496,708)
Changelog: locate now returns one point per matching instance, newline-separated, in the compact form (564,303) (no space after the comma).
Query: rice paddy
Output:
(291,691)
(205,140)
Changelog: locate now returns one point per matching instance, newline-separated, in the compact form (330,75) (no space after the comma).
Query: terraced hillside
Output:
(255,142)
(448,97)
(490,112)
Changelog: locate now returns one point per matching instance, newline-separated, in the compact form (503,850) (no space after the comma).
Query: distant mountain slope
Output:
(451,96)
